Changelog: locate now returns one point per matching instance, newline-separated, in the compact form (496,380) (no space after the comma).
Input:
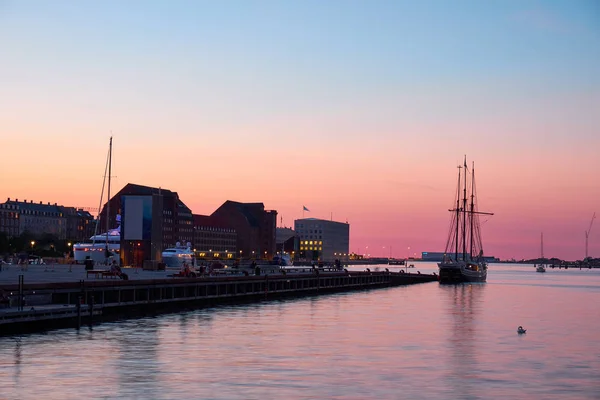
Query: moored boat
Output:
(541,267)
(101,248)
(175,257)
(97,245)
(463,259)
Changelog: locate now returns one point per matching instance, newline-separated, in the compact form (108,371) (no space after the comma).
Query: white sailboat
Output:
(101,247)
(463,259)
(542,266)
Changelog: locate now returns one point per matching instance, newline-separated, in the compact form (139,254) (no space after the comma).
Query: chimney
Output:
(48,203)
(8,199)
(40,202)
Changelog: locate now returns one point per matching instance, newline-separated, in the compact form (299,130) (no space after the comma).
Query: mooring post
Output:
(21,293)
(79,298)
(91,310)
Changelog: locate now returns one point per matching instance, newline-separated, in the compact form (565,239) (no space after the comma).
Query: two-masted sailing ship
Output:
(463,258)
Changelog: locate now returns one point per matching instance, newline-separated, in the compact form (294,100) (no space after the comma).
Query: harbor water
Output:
(425,341)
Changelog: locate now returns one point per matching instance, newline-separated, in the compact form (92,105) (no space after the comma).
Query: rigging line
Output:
(101,198)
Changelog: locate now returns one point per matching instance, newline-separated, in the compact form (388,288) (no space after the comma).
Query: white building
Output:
(322,240)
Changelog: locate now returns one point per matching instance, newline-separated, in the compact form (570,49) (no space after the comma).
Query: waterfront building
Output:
(80,224)
(152,219)
(39,218)
(255,227)
(436,256)
(66,223)
(286,239)
(9,219)
(322,240)
(214,239)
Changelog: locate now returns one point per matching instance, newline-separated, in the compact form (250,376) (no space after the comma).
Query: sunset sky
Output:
(360,110)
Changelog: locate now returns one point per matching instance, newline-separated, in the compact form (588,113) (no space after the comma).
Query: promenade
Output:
(9,275)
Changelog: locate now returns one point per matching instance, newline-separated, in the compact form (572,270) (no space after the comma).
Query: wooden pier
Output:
(95,300)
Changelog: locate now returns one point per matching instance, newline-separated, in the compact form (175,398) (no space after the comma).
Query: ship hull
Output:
(451,273)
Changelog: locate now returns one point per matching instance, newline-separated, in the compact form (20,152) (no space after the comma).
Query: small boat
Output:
(520,330)
(541,267)
(463,258)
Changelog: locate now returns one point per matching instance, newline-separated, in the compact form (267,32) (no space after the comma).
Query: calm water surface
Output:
(416,342)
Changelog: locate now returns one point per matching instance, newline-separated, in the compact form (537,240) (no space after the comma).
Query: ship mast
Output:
(472,215)
(457,215)
(108,197)
(464,209)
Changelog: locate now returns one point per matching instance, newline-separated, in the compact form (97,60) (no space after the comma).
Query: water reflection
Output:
(418,342)
(463,304)
(136,365)
(18,351)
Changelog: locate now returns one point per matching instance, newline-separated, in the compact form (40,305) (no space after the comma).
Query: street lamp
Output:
(32,244)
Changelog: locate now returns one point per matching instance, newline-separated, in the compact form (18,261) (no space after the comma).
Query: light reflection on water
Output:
(416,342)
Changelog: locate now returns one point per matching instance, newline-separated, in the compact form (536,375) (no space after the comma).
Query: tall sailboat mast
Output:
(457,216)
(464,209)
(542,246)
(472,209)
(108,195)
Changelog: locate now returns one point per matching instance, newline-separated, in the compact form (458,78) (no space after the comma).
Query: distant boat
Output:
(541,267)
(463,259)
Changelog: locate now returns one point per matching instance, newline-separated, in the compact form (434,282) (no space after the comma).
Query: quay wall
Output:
(97,300)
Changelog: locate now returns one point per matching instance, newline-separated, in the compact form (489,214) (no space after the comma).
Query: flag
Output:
(305,209)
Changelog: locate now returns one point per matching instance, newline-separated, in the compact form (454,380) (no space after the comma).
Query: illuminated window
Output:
(320,248)
(320,242)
